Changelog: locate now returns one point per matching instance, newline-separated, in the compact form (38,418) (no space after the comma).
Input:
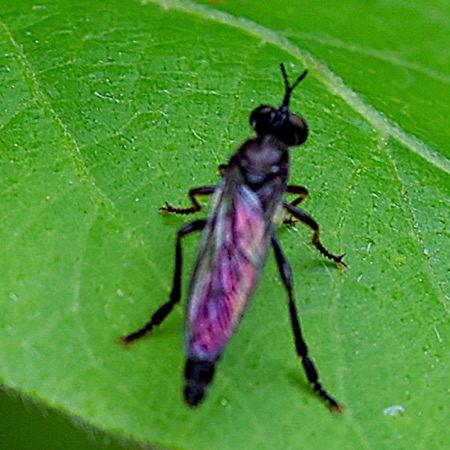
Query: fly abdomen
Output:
(198,374)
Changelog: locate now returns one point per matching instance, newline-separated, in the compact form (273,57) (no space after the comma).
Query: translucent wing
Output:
(231,254)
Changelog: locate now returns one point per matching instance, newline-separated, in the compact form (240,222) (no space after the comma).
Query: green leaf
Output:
(111,108)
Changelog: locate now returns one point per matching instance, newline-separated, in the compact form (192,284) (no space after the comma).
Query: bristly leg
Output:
(164,310)
(301,193)
(222,169)
(300,344)
(193,193)
(306,219)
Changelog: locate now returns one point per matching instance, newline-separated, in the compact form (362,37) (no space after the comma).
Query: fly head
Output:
(289,128)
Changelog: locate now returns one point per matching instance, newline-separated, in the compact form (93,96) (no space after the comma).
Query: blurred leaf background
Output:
(111,108)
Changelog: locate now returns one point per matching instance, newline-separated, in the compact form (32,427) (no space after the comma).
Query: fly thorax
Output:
(264,158)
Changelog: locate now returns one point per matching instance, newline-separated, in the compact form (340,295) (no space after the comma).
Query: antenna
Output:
(288,88)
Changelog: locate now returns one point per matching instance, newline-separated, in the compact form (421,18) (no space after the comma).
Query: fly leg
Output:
(300,344)
(306,219)
(164,310)
(222,169)
(301,193)
(196,206)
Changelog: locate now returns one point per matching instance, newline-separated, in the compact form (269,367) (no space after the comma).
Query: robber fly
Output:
(245,209)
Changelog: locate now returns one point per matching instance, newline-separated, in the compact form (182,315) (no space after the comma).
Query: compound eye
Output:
(296,130)
(261,119)
(289,128)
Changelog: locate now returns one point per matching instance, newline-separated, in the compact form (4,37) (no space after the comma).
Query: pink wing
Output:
(232,252)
